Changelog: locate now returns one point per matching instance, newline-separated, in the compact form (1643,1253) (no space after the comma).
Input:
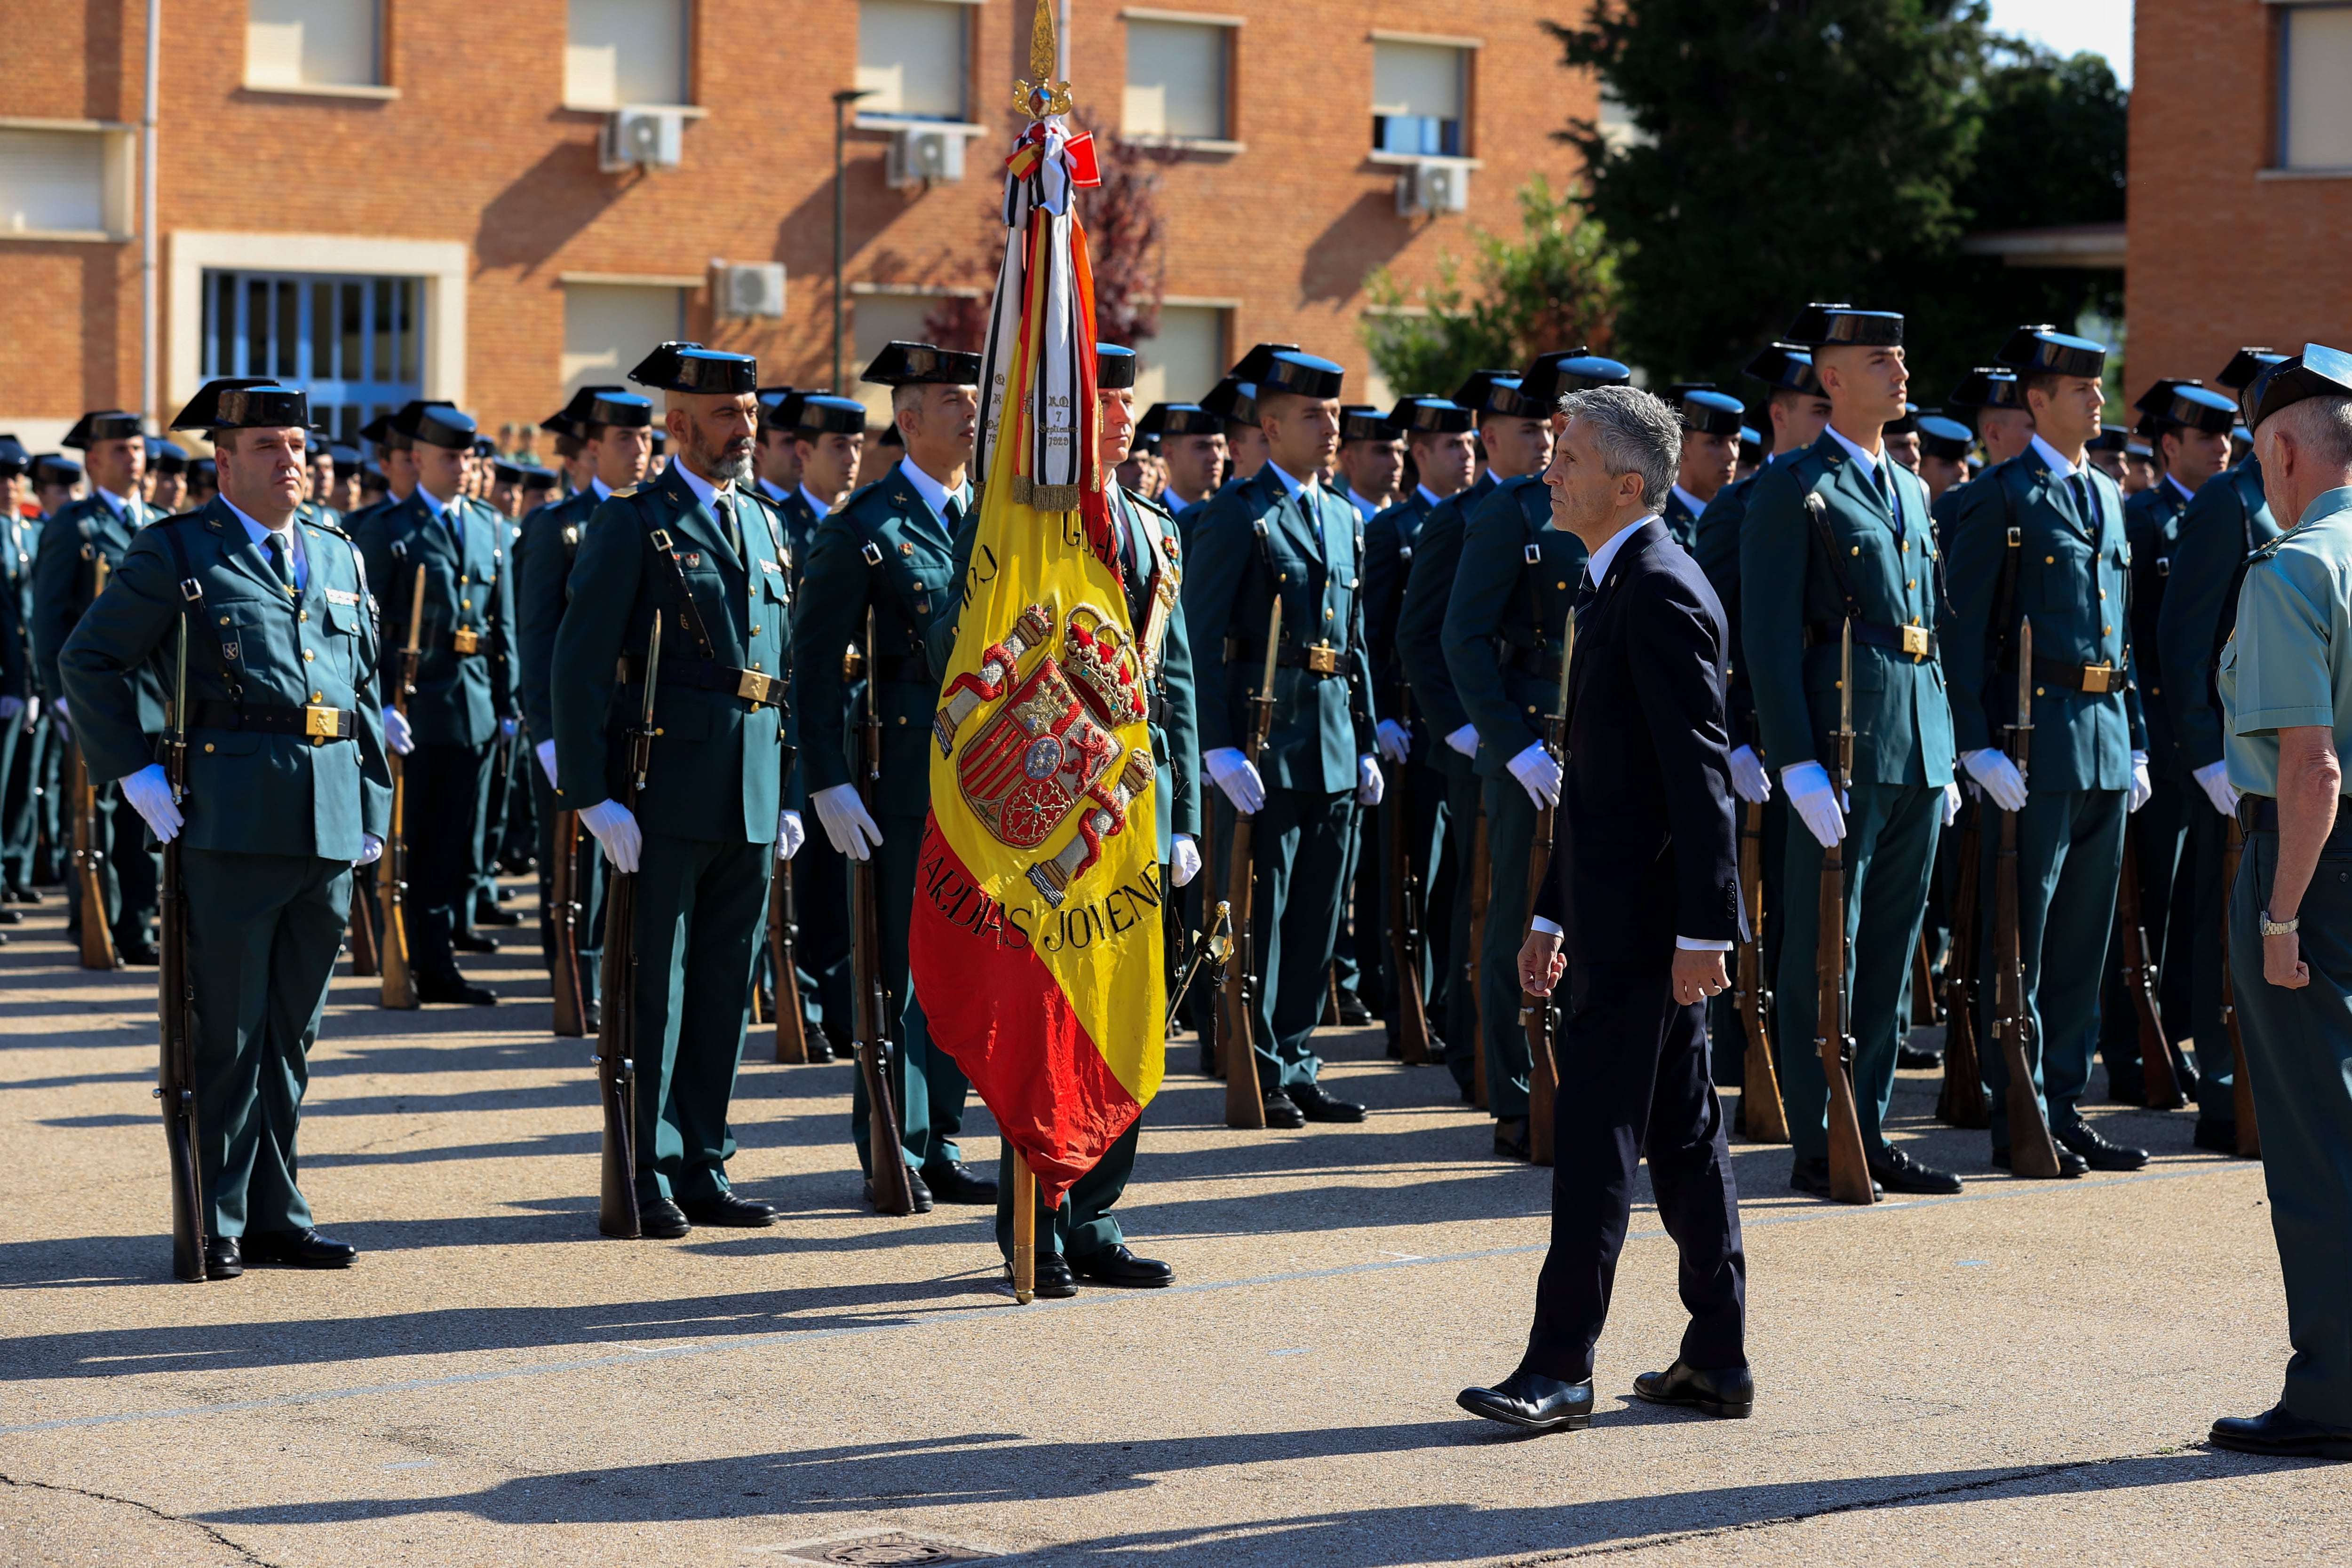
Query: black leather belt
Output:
(2259,814)
(1536,661)
(1914,641)
(2092,680)
(751,686)
(1321,661)
(911,668)
(275,718)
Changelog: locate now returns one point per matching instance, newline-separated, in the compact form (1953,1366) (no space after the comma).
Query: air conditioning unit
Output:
(641,139)
(920,155)
(750,288)
(1434,187)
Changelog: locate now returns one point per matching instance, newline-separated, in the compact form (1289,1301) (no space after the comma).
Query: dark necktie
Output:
(722,508)
(952,514)
(1126,538)
(2081,492)
(275,544)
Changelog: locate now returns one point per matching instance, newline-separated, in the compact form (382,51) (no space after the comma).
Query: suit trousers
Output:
(263,933)
(1890,852)
(2209,900)
(1084,1225)
(700,913)
(1300,846)
(921,1078)
(444,792)
(2070,856)
(1633,1085)
(1510,839)
(1428,851)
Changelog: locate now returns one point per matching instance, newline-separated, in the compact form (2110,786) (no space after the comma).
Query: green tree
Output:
(1552,286)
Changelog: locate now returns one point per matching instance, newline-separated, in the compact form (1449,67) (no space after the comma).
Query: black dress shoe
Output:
(1353,1013)
(1114,1265)
(1054,1281)
(1511,1138)
(730,1211)
(916,1189)
(459,991)
(660,1220)
(1812,1177)
(2100,1152)
(488,914)
(2070,1163)
(1533,1401)
(2220,1137)
(950,1182)
(224,1259)
(140,955)
(27,895)
(2277,1433)
(1731,1395)
(473,942)
(2128,1085)
(1912,1057)
(593,1016)
(1892,1170)
(1282,1111)
(819,1048)
(298,1249)
(1318,1106)
(12,917)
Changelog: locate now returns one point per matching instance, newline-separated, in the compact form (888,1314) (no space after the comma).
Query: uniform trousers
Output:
(1726,1034)
(1464,808)
(1084,1224)
(821,904)
(926,1085)
(263,932)
(20,759)
(1355,956)
(1299,848)
(445,794)
(2299,1055)
(1510,839)
(699,909)
(1632,1085)
(1428,853)
(131,879)
(2217,1062)
(2157,833)
(592,877)
(2070,856)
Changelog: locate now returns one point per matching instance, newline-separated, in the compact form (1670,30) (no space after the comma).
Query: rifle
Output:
(1961,1102)
(2242,1088)
(784,959)
(1922,983)
(176,1080)
(90,860)
(563,882)
(2161,1089)
(1245,1098)
(1849,1163)
(1406,950)
(1535,1011)
(392,871)
(2031,1153)
(1213,944)
(1482,892)
(1764,1117)
(886,1148)
(617,1034)
(1212,1034)
(366,962)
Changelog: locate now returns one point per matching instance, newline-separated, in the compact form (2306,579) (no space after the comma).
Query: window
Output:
(2315,112)
(912,56)
(1176,80)
(876,319)
(312,43)
(74,183)
(609,327)
(355,344)
(1183,359)
(626,52)
(1417,93)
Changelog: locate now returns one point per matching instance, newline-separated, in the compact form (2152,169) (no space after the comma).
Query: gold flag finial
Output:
(1041,96)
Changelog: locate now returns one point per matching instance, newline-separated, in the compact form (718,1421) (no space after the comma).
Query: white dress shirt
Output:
(289,537)
(2186,493)
(1687,499)
(934,494)
(1429,497)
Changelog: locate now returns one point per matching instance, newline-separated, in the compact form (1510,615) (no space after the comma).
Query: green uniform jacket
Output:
(1681,521)
(2070,576)
(717,769)
(65,571)
(15,608)
(1389,542)
(1250,543)
(799,527)
(2227,522)
(1507,617)
(2151,528)
(1791,594)
(459,697)
(1420,620)
(248,793)
(884,549)
(1714,545)
(542,576)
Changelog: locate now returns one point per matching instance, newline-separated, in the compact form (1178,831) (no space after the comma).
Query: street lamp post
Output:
(841,102)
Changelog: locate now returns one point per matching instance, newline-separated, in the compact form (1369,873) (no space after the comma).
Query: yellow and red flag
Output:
(1037,945)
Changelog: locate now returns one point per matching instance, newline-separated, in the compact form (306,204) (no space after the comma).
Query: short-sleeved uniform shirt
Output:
(2289,664)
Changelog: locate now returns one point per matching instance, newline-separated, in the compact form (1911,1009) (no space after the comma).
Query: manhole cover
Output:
(888,1550)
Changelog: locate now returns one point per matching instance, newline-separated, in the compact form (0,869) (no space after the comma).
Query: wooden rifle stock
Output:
(2242,1087)
(1245,1096)
(2031,1152)
(399,989)
(1762,1112)
(2160,1088)
(1922,983)
(1536,1012)
(366,962)
(783,962)
(175,1083)
(563,891)
(1407,946)
(1482,893)
(886,1148)
(1961,1101)
(617,1213)
(88,858)
(1849,1160)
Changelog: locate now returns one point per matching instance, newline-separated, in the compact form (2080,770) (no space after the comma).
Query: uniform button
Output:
(2037,691)
(1531,709)
(1857,550)
(302,615)
(902,718)
(465,605)
(308,656)
(2050,561)
(1563,587)
(1910,582)
(755,631)
(2103,593)
(318,696)
(2156,691)
(1326,615)
(208,746)
(2106,630)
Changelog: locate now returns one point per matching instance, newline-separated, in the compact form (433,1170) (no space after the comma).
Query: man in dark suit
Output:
(1645,892)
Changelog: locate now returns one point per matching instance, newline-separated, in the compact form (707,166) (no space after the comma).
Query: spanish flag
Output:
(1037,946)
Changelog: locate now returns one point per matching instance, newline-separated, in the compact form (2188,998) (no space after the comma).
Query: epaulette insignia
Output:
(624,492)
(905,547)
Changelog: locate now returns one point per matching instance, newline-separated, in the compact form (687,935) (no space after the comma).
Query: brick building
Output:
(2240,197)
(380,199)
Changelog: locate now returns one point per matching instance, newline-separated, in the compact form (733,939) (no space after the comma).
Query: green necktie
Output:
(279,562)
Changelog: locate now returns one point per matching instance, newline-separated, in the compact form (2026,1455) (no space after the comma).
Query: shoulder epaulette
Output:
(623,493)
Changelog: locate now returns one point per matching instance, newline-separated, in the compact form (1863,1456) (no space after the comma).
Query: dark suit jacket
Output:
(1647,849)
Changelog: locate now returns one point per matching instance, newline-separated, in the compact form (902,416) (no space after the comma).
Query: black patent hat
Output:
(1553,376)
(1431,416)
(1946,438)
(2185,405)
(1988,386)
(1710,413)
(1842,326)
(2317,372)
(2043,351)
(922,364)
(691,368)
(1165,419)
(245,402)
(439,424)
(1362,421)
(1115,367)
(1786,367)
(106,424)
(2245,365)
(820,412)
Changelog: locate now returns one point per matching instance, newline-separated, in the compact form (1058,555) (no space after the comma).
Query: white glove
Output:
(1749,779)
(64,718)
(1369,782)
(506,729)
(1183,859)
(2001,780)
(790,835)
(545,752)
(615,827)
(2214,780)
(10,707)
(1465,740)
(1395,740)
(1951,804)
(150,794)
(1808,784)
(2142,787)
(1229,770)
(396,734)
(1537,773)
(370,849)
(846,825)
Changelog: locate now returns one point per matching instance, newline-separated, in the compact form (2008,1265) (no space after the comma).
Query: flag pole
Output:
(1024,1228)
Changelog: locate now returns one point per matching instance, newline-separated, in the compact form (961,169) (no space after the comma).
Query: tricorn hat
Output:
(691,368)
(245,402)
(922,364)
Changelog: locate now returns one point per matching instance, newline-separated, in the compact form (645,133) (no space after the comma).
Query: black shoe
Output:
(920,1194)
(2279,1435)
(660,1220)
(1912,1057)
(1511,1138)
(224,1260)
(2218,1137)
(1054,1281)
(22,894)
(951,1182)
(1892,1170)
(1353,1013)
(1531,1400)
(298,1249)
(140,955)
(2070,1163)
(729,1211)
(2128,1085)
(2099,1152)
(488,914)
(819,1048)
(517,864)
(12,917)
(1731,1395)
(594,1015)
(456,990)
(1282,1111)
(1114,1265)
(1812,1177)
(474,941)
(1318,1106)
(2185,1074)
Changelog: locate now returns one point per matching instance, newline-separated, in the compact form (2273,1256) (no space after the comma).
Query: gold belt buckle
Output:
(1915,641)
(464,640)
(852,662)
(1323,659)
(755,687)
(2100,678)
(322,723)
